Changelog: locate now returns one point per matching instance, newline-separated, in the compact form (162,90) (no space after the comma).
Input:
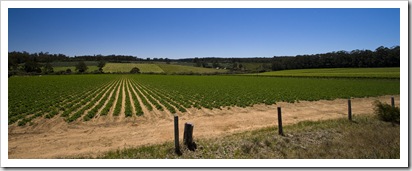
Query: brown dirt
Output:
(54,138)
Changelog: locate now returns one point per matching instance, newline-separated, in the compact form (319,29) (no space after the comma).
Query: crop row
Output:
(87,97)
(220,91)
(50,104)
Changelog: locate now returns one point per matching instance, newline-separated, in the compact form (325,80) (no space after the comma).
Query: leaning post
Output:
(393,102)
(188,137)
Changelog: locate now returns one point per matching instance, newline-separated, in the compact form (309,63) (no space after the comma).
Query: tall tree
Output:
(48,68)
(101,64)
(32,66)
(81,67)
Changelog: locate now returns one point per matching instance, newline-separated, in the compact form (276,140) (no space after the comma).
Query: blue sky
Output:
(185,33)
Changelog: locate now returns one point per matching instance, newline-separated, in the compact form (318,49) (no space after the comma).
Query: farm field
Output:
(126,67)
(86,97)
(88,115)
(171,69)
(338,72)
(54,138)
(157,68)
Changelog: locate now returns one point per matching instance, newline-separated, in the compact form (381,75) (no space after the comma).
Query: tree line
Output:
(380,57)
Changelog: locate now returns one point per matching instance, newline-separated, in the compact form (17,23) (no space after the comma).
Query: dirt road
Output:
(54,138)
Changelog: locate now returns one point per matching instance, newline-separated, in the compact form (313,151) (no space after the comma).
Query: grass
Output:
(338,72)
(126,67)
(366,138)
(158,68)
(386,112)
(173,69)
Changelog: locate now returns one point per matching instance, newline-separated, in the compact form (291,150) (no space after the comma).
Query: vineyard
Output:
(86,97)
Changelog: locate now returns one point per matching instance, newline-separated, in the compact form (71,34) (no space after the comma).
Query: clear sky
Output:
(186,33)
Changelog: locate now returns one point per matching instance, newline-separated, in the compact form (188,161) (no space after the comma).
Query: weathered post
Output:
(280,121)
(393,102)
(188,136)
(176,122)
(349,109)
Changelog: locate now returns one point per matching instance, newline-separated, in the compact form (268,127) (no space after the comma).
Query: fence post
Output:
(188,136)
(280,121)
(176,124)
(349,109)
(393,102)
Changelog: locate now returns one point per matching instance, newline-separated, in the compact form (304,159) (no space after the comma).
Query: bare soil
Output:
(54,138)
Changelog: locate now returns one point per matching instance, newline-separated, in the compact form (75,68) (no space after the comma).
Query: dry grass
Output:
(366,137)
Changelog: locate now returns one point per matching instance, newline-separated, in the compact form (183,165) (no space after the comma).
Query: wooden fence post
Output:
(393,102)
(176,124)
(280,121)
(349,109)
(188,136)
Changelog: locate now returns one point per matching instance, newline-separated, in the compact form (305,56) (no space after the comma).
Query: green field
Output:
(157,68)
(82,97)
(126,67)
(337,72)
(172,69)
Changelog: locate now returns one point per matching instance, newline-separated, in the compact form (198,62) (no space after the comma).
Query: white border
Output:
(402,162)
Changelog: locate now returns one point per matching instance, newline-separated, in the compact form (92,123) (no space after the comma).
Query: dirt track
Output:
(54,138)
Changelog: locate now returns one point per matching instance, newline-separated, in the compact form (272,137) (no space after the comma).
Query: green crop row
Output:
(32,97)
(138,108)
(144,101)
(51,110)
(88,104)
(166,101)
(119,100)
(75,96)
(109,104)
(219,91)
(128,106)
(93,111)
(150,98)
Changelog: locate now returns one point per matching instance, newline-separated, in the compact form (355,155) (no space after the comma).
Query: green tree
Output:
(32,66)
(81,67)
(48,68)
(101,64)
(135,70)
(68,71)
